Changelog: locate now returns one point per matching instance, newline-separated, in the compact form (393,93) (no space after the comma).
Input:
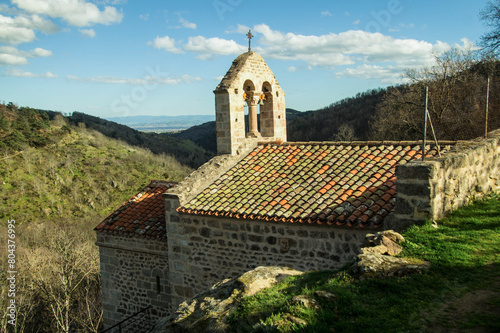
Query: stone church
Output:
(265,201)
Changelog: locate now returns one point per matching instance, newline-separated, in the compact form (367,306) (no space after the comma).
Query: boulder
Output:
(377,265)
(384,242)
(208,311)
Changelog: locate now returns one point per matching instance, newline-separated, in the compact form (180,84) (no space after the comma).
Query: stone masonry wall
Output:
(205,250)
(134,275)
(432,188)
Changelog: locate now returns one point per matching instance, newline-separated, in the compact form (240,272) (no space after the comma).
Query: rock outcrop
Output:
(208,311)
(384,242)
(376,259)
(369,266)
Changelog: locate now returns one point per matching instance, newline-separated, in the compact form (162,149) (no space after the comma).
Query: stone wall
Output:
(432,188)
(134,275)
(204,250)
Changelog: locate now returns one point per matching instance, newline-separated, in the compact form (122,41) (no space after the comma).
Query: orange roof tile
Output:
(338,184)
(143,215)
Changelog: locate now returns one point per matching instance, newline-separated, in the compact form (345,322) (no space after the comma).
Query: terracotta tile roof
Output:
(143,215)
(351,185)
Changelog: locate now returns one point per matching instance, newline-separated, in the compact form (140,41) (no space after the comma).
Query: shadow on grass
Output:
(463,253)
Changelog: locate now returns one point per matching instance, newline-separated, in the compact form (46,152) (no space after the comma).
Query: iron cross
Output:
(249,35)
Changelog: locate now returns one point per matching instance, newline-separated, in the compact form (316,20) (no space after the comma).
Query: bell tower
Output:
(248,83)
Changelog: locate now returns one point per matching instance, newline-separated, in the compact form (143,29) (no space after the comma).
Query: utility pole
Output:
(486,110)
(425,123)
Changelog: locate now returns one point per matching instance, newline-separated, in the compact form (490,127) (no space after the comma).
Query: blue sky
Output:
(127,57)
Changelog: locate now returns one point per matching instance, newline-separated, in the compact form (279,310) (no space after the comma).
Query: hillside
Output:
(204,135)
(184,151)
(57,182)
(345,120)
(66,170)
(348,119)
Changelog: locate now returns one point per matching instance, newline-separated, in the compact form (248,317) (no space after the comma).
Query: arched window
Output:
(252,98)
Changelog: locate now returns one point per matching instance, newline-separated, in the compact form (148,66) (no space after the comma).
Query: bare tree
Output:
(490,15)
(456,103)
(62,270)
(345,133)
(59,120)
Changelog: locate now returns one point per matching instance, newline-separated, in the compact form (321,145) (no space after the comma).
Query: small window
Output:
(236,91)
(158,284)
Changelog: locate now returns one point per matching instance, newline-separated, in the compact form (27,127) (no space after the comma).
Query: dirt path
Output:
(477,311)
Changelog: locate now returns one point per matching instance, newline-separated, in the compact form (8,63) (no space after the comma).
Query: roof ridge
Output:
(357,143)
(162,182)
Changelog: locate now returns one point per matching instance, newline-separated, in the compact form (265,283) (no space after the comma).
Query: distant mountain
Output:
(162,123)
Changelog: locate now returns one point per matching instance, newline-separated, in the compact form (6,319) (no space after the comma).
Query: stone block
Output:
(213,224)
(414,189)
(205,232)
(416,170)
(403,206)
(174,218)
(256,239)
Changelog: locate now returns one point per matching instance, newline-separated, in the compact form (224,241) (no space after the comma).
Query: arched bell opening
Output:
(267,110)
(251,97)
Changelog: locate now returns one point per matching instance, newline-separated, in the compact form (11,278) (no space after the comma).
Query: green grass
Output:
(464,254)
(79,174)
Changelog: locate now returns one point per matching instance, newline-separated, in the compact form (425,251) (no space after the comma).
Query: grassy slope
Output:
(58,191)
(465,255)
(82,173)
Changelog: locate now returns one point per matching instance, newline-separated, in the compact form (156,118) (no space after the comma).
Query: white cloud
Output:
(326,13)
(21,29)
(144,17)
(39,52)
(12,59)
(207,47)
(292,69)
(240,29)
(386,74)
(10,55)
(353,53)
(150,80)
(356,22)
(187,24)
(88,32)
(16,72)
(166,43)
(346,48)
(75,12)
(110,2)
